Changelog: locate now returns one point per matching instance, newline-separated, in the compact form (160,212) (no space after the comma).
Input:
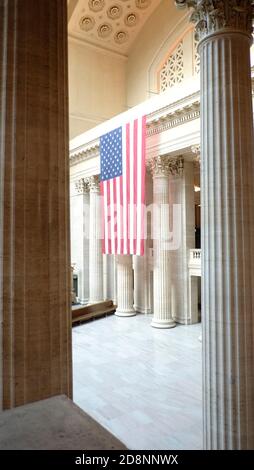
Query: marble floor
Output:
(143,384)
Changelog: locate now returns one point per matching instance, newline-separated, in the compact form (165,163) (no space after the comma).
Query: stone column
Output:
(124,287)
(181,182)
(95,243)
(142,264)
(162,317)
(110,278)
(34,201)
(228,223)
(80,237)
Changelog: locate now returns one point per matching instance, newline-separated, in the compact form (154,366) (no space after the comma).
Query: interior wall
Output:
(97,89)
(163,27)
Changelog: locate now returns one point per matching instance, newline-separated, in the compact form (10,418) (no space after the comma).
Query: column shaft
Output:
(161,270)
(124,287)
(34,202)
(80,236)
(227,242)
(227,175)
(95,244)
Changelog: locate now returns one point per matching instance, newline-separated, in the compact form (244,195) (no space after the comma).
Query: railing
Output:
(195,259)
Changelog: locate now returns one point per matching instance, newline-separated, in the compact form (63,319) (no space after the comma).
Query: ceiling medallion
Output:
(86,23)
(96,5)
(121,37)
(131,19)
(114,12)
(142,3)
(104,30)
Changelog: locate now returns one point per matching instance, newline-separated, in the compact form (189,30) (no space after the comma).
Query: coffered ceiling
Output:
(109,24)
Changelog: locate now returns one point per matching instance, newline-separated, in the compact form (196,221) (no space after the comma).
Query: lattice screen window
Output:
(196,55)
(172,71)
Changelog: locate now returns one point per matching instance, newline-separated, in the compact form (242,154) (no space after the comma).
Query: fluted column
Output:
(162,317)
(142,265)
(34,201)
(124,287)
(228,222)
(80,214)
(95,243)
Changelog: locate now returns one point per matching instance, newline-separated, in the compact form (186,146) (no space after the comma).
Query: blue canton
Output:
(111,154)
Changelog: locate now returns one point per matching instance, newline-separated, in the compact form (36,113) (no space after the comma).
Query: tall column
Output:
(181,182)
(80,237)
(228,224)
(34,202)
(110,278)
(162,317)
(142,265)
(124,287)
(95,243)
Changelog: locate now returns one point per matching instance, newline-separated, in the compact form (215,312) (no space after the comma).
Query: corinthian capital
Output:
(165,166)
(82,186)
(211,16)
(94,183)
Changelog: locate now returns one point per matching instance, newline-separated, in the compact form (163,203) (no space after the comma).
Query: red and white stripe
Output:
(124,196)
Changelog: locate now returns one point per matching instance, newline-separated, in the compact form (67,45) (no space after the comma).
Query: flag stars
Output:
(111,154)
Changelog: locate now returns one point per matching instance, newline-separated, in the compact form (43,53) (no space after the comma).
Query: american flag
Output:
(122,175)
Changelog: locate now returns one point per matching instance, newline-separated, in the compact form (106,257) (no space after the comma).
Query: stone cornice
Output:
(173,117)
(170,116)
(89,150)
(214,16)
(175,114)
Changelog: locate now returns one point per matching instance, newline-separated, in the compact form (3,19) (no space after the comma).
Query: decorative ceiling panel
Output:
(112,25)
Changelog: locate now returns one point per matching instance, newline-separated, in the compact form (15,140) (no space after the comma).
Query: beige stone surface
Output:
(53,424)
(35,268)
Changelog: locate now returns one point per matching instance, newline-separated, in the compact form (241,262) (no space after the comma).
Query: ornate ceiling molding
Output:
(214,16)
(112,25)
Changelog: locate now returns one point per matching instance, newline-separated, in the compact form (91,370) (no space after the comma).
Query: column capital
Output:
(82,186)
(166,166)
(195,149)
(94,183)
(214,16)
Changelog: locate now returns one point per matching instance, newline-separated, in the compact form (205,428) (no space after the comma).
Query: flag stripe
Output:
(127,176)
(143,182)
(108,219)
(115,225)
(103,218)
(121,251)
(135,185)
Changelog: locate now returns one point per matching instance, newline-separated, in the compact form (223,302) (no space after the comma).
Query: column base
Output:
(123,313)
(83,301)
(163,323)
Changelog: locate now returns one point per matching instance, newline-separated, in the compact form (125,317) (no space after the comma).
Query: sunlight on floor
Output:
(142,384)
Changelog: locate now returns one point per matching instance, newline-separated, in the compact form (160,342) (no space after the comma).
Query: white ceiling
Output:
(109,24)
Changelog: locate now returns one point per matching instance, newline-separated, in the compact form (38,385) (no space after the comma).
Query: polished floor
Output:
(142,384)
